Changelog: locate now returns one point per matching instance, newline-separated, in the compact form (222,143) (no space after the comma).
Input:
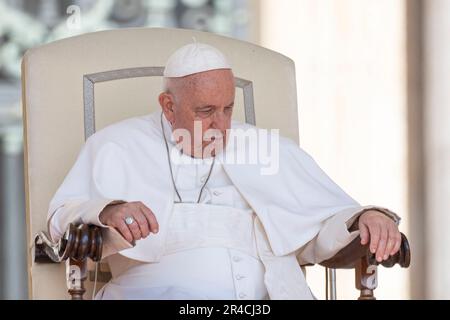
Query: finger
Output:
(154,226)
(398,243)
(124,231)
(135,231)
(374,237)
(364,234)
(390,243)
(143,224)
(382,243)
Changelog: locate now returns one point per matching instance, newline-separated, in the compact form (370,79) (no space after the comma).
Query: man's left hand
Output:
(385,239)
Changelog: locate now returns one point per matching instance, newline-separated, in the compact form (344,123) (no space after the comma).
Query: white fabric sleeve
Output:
(77,211)
(335,235)
(76,200)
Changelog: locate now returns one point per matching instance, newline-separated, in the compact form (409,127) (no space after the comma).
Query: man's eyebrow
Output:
(205,107)
(213,106)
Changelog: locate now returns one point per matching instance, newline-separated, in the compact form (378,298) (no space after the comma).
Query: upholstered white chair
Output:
(75,86)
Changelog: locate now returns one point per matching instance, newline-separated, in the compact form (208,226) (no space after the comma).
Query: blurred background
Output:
(373,82)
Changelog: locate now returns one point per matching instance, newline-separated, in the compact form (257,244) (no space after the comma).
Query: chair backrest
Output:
(74,86)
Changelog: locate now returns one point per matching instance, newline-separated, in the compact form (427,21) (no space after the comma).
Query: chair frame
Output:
(83,242)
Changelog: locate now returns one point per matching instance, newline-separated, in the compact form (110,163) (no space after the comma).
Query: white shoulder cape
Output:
(127,161)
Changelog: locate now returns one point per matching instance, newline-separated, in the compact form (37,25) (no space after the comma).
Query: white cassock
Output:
(244,240)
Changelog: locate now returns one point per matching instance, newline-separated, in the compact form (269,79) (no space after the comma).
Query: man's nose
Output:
(219,121)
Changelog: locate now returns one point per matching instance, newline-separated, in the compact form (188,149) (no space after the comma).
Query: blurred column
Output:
(13,253)
(437,146)
(416,155)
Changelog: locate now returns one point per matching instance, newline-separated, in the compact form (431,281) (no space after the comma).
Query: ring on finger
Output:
(129,220)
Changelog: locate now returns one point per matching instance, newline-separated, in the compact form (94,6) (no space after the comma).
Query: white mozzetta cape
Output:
(300,208)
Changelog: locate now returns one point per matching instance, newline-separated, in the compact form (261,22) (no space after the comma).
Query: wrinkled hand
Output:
(385,239)
(114,215)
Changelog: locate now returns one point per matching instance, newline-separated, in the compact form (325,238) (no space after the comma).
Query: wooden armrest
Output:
(349,256)
(78,244)
(358,257)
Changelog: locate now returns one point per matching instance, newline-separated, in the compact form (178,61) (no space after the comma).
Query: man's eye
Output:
(205,111)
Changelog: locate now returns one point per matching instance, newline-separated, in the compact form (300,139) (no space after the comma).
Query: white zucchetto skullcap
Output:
(194,58)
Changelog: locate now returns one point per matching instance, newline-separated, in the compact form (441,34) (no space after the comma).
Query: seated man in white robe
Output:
(184,219)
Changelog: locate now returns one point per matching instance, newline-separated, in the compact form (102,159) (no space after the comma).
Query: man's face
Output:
(204,100)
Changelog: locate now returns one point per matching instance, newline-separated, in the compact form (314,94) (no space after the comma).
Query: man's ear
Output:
(166,103)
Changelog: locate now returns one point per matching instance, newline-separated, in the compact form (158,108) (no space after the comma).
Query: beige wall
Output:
(350,60)
(437,147)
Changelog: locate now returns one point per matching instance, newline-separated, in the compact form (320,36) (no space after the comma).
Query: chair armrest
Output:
(77,245)
(349,256)
(359,257)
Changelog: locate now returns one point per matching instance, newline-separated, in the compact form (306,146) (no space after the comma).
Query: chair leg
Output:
(330,284)
(366,279)
(76,275)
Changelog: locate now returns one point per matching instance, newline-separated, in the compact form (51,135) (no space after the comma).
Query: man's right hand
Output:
(114,215)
